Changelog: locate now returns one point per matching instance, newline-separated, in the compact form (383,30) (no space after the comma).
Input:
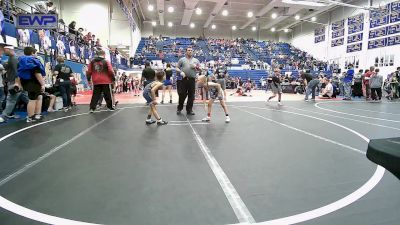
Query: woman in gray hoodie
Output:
(376,83)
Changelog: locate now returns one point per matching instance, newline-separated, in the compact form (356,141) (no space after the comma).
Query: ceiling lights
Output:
(274,15)
(250,14)
(198,11)
(314,19)
(154,23)
(273,29)
(307,3)
(171,9)
(150,7)
(213,26)
(286,30)
(297,17)
(254,28)
(234,27)
(192,25)
(170,24)
(225,12)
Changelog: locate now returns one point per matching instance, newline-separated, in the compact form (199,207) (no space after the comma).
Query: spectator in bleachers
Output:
(15,92)
(45,7)
(72,28)
(31,72)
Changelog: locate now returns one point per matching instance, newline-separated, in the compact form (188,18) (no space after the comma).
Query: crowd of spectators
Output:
(256,54)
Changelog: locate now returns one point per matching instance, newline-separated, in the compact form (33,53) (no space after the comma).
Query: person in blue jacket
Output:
(30,73)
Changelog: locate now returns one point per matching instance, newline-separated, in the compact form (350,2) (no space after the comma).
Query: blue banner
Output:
(337,42)
(319,31)
(319,39)
(355,23)
(377,43)
(393,29)
(354,47)
(379,17)
(395,12)
(380,32)
(37,21)
(354,38)
(338,25)
(80,70)
(393,40)
(338,33)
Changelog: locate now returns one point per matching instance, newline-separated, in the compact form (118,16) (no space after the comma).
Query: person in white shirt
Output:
(328,90)
(45,7)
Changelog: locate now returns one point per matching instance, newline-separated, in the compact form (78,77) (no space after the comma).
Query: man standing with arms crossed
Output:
(187,67)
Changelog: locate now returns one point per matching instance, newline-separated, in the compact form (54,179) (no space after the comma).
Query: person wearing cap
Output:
(15,92)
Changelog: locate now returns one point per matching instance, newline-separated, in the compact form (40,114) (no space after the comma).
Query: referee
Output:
(187,67)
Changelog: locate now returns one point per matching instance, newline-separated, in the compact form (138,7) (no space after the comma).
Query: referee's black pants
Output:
(106,89)
(186,88)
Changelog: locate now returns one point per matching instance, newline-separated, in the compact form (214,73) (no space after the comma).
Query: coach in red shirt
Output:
(101,74)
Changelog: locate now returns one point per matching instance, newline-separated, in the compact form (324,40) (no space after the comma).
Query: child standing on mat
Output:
(215,93)
(149,93)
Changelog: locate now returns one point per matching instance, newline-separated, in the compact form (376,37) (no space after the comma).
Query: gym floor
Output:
(299,163)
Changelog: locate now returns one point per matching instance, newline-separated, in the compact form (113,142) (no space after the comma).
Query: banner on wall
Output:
(377,43)
(393,29)
(379,17)
(355,38)
(354,47)
(355,23)
(393,40)
(395,12)
(338,33)
(319,39)
(319,31)
(337,42)
(380,32)
(80,72)
(339,25)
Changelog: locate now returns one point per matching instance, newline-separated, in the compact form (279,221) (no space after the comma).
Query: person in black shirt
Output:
(311,84)
(148,74)
(167,83)
(64,73)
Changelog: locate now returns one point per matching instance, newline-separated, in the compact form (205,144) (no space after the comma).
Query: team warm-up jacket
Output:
(100,71)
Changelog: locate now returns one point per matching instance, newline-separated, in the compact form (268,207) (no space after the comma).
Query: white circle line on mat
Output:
(45,218)
(341,203)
